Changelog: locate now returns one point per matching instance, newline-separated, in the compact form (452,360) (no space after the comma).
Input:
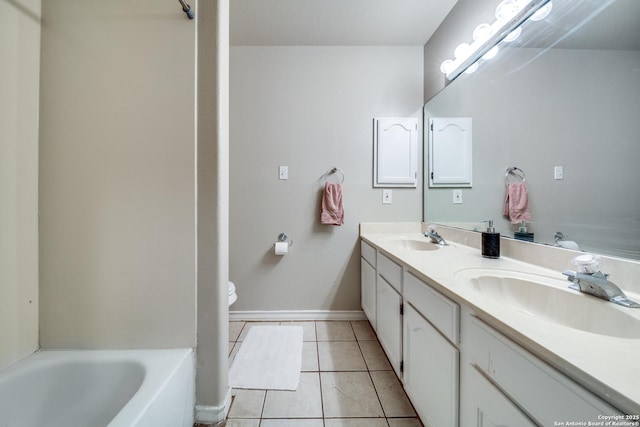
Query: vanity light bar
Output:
(510,15)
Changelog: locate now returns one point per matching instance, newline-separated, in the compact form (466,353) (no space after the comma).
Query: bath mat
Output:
(269,358)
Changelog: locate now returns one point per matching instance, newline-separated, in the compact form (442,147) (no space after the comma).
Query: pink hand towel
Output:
(516,203)
(332,211)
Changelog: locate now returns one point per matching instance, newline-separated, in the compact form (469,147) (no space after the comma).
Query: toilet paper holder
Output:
(284,238)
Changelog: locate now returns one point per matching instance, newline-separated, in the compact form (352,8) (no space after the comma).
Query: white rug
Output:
(269,358)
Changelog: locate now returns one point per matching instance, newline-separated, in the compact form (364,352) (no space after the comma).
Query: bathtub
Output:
(142,388)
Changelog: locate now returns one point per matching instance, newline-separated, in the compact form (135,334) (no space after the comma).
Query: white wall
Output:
(311,108)
(19,82)
(117,192)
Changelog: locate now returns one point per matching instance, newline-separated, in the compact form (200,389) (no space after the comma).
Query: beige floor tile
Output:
(334,331)
(349,395)
(394,400)
(355,422)
(305,402)
(248,326)
(309,356)
(374,356)
(340,356)
(292,422)
(242,423)
(363,330)
(234,330)
(308,328)
(404,422)
(247,404)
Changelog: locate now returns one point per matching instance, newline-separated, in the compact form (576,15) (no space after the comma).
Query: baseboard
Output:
(213,415)
(288,315)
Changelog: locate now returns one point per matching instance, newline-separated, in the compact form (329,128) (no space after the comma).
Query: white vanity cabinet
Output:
(368,281)
(487,406)
(458,364)
(431,358)
(381,300)
(389,310)
(535,390)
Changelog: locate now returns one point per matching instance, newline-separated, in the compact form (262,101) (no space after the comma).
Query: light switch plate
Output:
(457,196)
(558,172)
(283,172)
(386,197)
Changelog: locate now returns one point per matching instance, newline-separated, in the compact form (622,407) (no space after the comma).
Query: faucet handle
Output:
(625,302)
(587,263)
(571,275)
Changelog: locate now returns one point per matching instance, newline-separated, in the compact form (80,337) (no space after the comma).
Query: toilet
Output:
(232,293)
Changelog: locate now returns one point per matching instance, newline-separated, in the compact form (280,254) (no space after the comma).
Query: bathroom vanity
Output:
(484,342)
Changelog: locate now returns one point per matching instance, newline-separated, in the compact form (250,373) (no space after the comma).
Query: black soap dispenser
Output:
(491,242)
(522,233)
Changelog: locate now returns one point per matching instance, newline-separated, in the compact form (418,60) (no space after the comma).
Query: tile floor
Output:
(346,381)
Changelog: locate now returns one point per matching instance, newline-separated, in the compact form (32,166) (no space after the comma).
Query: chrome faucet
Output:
(597,284)
(435,237)
(559,236)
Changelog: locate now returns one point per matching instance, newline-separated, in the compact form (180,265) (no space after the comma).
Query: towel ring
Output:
(517,172)
(332,171)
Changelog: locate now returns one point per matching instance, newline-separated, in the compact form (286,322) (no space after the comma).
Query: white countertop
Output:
(608,366)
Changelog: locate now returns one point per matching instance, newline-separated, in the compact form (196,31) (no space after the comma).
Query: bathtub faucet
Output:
(598,284)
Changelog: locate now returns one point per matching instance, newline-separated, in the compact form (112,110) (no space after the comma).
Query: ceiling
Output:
(335,22)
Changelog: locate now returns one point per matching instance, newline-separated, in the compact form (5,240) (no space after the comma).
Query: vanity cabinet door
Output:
(368,291)
(389,322)
(490,408)
(544,393)
(430,376)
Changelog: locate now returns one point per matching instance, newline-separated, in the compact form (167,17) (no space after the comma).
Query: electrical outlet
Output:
(457,196)
(386,197)
(558,172)
(283,172)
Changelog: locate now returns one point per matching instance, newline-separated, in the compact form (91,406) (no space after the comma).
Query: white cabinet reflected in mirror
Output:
(450,153)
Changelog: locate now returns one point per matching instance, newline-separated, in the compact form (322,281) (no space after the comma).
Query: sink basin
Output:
(551,300)
(414,244)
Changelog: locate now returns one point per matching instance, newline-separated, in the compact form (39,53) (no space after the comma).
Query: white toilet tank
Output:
(232,293)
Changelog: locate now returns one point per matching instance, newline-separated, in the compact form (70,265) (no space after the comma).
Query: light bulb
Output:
(462,51)
(507,9)
(447,66)
(471,68)
(542,13)
(513,35)
(482,32)
(491,53)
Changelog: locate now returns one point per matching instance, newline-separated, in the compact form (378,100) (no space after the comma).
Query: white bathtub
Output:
(142,388)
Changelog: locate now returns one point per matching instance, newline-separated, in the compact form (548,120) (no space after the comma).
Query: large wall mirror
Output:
(565,94)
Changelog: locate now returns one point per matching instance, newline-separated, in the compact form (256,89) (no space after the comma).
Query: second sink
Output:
(551,300)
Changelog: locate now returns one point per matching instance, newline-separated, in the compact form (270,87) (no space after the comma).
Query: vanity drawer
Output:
(439,310)
(368,252)
(544,393)
(391,271)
